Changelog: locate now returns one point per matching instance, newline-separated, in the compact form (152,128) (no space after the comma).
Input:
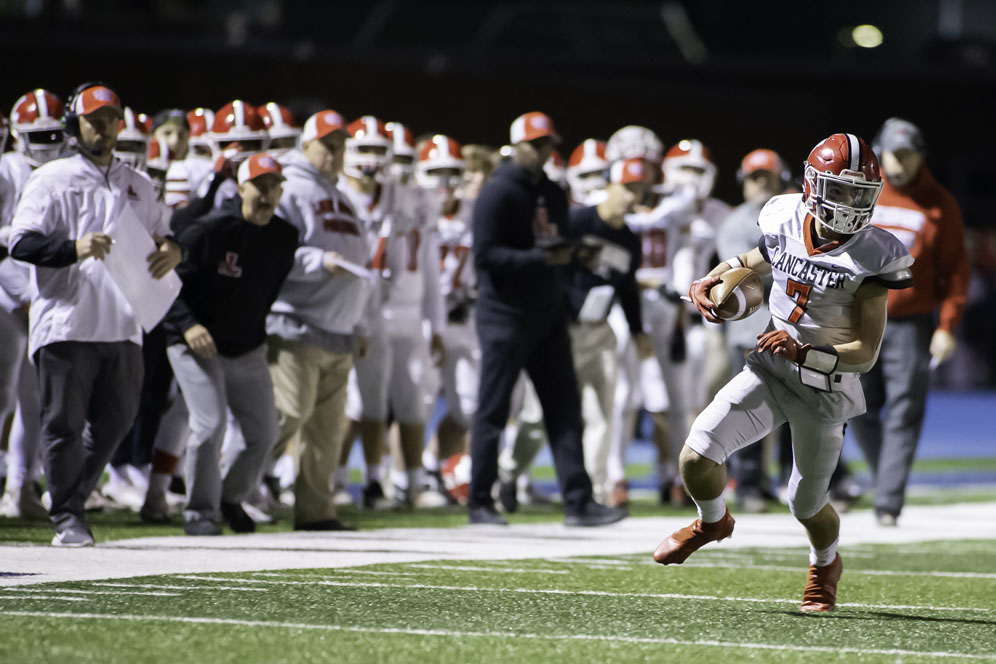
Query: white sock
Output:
(118,475)
(430,461)
(341,477)
(823,557)
(711,511)
(399,479)
(159,482)
(414,479)
(374,473)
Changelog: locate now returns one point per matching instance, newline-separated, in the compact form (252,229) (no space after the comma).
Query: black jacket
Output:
(512,273)
(231,275)
(585,221)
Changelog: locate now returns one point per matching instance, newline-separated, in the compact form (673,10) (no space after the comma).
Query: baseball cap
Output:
(761,159)
(532,125)
(626,171)
(256,165)
(170,116)
(321,124)
(896,134)
(94,97)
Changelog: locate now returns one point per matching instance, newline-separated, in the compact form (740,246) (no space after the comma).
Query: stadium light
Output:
(867,36)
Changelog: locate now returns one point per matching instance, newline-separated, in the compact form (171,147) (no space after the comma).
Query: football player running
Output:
(831,273)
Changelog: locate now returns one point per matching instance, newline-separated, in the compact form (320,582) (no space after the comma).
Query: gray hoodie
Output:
(314,306)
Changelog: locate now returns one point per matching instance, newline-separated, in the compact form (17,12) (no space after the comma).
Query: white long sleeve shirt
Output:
(327,221)
(64,200)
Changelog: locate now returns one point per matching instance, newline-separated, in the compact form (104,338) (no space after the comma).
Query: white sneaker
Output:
(9,507)
(256,514)
(431,499)
(125,495)
(342,498)
(72,537)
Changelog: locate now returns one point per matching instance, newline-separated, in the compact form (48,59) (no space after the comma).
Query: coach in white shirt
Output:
(319,318)
(84,337)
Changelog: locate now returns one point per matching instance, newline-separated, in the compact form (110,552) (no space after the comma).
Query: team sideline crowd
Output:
(339,281)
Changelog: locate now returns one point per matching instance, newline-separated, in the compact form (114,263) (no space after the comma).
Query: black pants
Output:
(89,396)
(136,448)
(540,344)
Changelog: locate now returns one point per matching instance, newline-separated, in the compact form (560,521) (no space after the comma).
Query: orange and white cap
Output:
(321,124)
(626,171)
(532,125)
(257,165)
(761,159)
(94,97)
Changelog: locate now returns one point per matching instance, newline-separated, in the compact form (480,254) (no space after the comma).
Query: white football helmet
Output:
(280,125)
(440,164)
(200,121)
(36,123)
(586,171)
(689,164)
(157,164)
(238,132)
(634,141)
(368,148)
(402,152)
(133,138)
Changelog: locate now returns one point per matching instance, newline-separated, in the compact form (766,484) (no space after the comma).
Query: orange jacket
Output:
(926,217)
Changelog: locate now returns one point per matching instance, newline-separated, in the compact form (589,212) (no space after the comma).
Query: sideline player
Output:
(831,273)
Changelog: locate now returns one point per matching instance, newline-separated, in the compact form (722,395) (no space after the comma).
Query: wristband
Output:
(823,359)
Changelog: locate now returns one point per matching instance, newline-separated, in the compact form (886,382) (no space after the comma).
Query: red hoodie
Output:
(926,217)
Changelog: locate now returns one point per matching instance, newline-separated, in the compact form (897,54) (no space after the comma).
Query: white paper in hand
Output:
(597,304)
(126,263)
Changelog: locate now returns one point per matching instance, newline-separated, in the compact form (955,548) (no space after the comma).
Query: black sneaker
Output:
(595,514)
(486,514)
(508,496)
(236,518)
(201,528)
(373,496)
(434,482)
(325,525)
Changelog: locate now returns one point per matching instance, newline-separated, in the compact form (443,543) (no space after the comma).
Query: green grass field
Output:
(928,602)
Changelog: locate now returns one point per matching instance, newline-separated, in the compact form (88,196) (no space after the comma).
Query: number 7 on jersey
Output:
(800,292)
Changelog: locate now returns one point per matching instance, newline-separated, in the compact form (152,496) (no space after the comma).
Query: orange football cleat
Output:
(821,586)
(686,541)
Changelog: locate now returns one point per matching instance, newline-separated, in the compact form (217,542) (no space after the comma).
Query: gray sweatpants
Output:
(898,385)
(210,388)
(89,396)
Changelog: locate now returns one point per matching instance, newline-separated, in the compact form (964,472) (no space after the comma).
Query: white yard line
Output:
(498,570)
(591,593)
(44,597)
(282,575)
(156,586)
(69,591)
(499,635)
(867,572)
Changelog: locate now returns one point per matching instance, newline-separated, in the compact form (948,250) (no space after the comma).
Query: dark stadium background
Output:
(737,75)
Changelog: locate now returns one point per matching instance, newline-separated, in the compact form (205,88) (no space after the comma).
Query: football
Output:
(738,294)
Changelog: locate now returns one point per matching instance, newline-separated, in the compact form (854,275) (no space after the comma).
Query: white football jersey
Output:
(813,287)
(456,265)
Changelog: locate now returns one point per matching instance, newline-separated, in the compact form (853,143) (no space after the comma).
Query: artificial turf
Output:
(927,602)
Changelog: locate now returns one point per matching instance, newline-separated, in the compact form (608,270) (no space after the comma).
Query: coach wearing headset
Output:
(84,339)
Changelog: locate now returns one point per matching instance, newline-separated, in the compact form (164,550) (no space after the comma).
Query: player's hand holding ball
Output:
(699,294)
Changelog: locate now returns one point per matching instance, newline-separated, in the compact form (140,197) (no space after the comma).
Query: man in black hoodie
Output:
(519,219)
(237,258)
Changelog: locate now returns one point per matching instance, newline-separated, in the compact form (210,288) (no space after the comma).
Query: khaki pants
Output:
(310,389)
